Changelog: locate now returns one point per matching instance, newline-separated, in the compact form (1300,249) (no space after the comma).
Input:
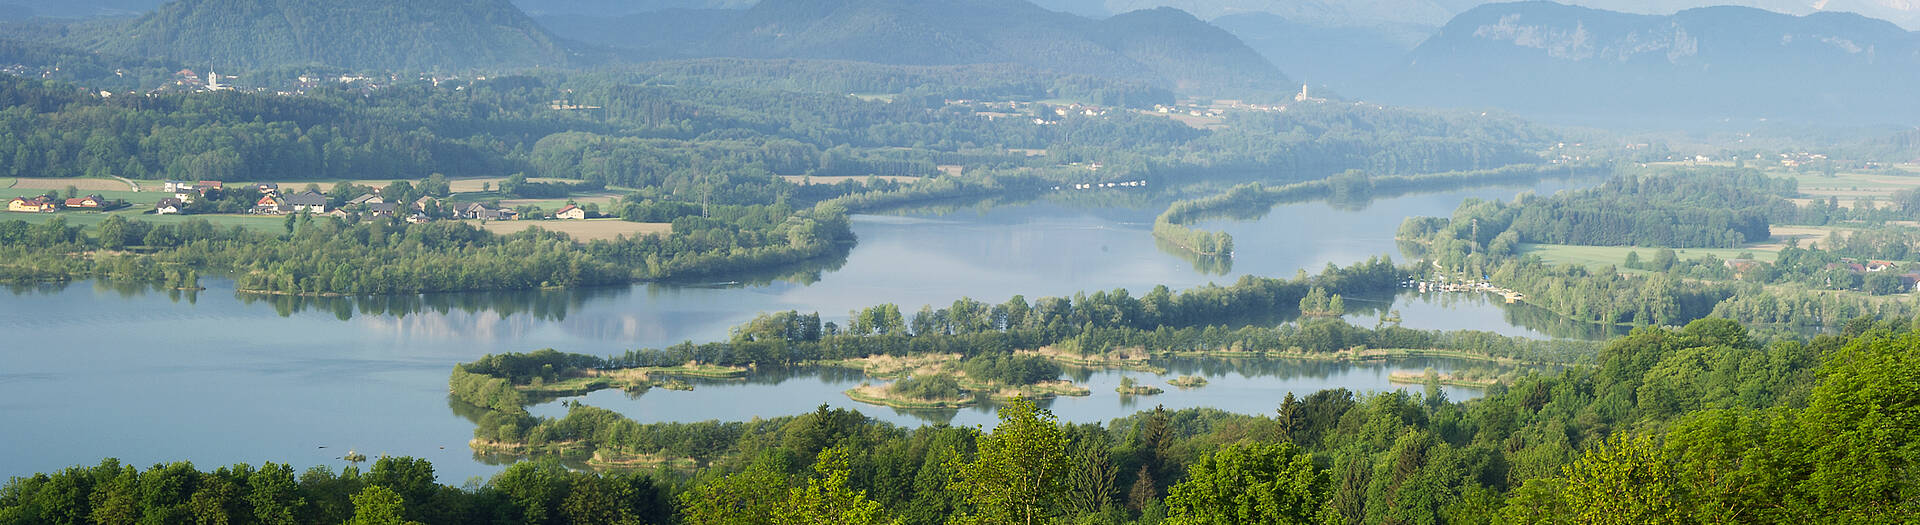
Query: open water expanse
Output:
(91,370)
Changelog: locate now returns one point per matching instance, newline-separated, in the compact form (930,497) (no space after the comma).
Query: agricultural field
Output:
(1207,122)
(139,199)
(1848,185)
(139,213)
(294,186)
(1597,256)
(605,201)
(89,186)
(587,230)
(475,184)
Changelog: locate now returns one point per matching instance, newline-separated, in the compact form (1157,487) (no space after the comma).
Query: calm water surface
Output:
(91,371)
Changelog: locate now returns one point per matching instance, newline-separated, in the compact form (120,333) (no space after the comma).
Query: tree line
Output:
(1252,200)
(330,255)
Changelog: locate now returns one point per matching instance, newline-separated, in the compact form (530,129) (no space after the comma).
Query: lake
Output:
(95,370)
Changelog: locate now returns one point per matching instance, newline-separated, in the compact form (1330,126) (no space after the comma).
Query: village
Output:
(273,201)
(49,204)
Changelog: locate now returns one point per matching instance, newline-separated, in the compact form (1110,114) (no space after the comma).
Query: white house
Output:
(308,201)
(570,212)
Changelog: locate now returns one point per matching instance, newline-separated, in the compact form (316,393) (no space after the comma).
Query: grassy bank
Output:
(1412,378)
(879,395)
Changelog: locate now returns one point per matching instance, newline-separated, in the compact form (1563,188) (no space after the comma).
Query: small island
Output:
(1464,378)
(1188,382)
(926,391)
(1130,388)
(949,381)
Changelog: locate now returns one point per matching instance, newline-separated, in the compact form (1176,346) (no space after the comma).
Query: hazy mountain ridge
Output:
(1735,62)
(369,34)
(1433,13)
(1340,57)
(1165,47)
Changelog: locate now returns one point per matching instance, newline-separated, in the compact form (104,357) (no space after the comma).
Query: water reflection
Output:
(541,305)
(1205,264)
(1248,386)
(121,289)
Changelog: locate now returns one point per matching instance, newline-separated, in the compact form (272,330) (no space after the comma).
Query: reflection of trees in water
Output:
(468,411)
(1410,250)
(126,290)
(551,305)
(1520,314)
(544,305)
(1545,321)
(1221,264)
(933,416)
(803,273)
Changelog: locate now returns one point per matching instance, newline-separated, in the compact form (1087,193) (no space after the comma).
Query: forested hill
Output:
(359,34)
(1167,47)
(1553,59)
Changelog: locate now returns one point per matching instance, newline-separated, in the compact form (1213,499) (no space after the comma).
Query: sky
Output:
(1905,13)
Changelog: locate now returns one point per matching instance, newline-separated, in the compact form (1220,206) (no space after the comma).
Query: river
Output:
(93,370)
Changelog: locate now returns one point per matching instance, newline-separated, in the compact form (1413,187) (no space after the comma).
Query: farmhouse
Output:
(481,211)
(271,205)
(36,204)
(369,198)
(90,201)
(168,206)
(208,185)
(383,209)
(570,212)
(178,185)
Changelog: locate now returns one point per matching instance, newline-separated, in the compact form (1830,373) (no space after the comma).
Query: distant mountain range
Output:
(1551,59)
(1537,58)
(360,34)
(1337,57)
(1433,13)
(1166,47)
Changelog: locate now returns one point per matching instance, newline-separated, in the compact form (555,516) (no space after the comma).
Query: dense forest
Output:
(1653,432)
(1719,210)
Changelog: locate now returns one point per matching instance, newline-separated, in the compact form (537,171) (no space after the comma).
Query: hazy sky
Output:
(1435,12)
